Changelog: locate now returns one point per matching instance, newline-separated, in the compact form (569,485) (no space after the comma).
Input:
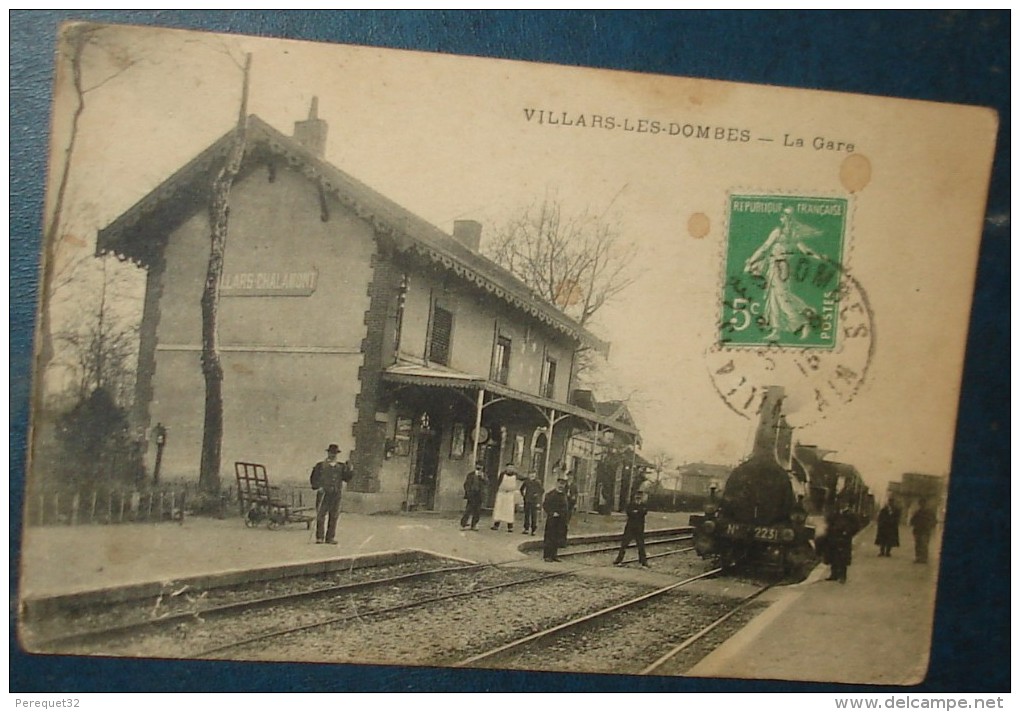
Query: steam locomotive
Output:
(765,518)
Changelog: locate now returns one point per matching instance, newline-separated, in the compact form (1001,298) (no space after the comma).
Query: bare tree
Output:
(577,262)
(102,344)
(212,369)
(661,461)
(56,272)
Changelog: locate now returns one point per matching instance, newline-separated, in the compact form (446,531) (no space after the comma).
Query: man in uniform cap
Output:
(556,508)
(327,480)
(474,491)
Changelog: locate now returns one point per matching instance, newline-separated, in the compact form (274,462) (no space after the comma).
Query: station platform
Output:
(60,560)
(874,629)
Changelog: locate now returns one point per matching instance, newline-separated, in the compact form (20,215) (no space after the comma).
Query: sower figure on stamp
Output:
(327,480)
(634,530)
(839,537)
(783,310)
(555,508)
(532,492)
(474,492)
(888,534)
(923,522)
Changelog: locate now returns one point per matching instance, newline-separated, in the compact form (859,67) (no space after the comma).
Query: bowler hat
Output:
(333,448)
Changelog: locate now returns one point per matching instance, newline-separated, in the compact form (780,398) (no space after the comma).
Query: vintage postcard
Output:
(355,355)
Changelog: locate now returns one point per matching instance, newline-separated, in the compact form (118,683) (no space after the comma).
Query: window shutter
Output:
(442,331)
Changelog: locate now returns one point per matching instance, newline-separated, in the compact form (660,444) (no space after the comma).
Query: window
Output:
(549,378)
(442,331)
(501,360)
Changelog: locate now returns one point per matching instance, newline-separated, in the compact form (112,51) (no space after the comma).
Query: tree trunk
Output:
(77,38)
(212,370)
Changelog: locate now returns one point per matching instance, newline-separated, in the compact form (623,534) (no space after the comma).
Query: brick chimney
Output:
(468,233)
(311,133)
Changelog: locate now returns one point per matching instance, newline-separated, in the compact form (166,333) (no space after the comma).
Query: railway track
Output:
(660,665)
(649,544)
(144,621)
(513,646)
(292,625)
(646,635)
(207,612)
(362,616)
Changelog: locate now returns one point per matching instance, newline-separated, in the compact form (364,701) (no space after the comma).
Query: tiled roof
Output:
(138,234)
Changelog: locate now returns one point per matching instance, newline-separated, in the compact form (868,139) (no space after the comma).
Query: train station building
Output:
(345,318)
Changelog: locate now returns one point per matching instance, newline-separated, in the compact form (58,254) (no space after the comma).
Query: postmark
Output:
(784,257)
(817,381)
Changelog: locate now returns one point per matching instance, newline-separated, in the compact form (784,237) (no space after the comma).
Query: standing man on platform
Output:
(532,492)
(474,492)
(842,526)
(327,480)
(555,507)
(888,534)
(572,495)
(634,529)
(923,522)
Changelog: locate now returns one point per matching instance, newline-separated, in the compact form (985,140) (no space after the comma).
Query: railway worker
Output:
(839,537)
(506,488)
(888,534)
(531,492)
(923,522)
(555,507)
(572,494)
(474,492)
(328,477)
(634,529)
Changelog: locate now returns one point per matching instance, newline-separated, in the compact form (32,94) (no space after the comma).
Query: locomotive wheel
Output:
(274,524)
(799,562)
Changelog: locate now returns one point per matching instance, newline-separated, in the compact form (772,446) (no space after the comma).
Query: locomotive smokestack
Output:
(770,422)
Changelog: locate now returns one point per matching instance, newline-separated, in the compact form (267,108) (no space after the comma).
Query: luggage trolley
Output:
(260,501)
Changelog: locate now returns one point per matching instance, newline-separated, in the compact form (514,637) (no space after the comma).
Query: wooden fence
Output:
(105,506)
(54,507)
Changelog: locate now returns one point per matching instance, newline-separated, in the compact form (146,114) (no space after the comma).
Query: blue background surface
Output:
(961,57)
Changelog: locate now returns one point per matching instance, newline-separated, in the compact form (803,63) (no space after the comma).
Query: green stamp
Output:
(783,270)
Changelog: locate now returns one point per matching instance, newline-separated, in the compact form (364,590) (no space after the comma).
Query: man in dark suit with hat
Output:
(327,479)
(556,509)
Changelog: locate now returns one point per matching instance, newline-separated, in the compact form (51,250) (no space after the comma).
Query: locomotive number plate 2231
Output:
(743,531)
(766,533)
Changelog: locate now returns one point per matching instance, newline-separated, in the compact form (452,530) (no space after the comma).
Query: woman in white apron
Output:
(506,490)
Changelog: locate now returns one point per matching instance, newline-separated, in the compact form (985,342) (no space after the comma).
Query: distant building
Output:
(604,460)
(698,478)
(915,486)
(345,318)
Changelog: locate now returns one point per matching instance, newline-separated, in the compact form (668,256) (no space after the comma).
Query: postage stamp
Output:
(783,261)
(817,381)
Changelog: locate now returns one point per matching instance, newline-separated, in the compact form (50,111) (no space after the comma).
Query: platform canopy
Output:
(486,392)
